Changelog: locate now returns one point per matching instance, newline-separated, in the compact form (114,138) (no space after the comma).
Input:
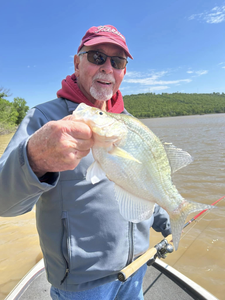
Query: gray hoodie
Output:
(84,239)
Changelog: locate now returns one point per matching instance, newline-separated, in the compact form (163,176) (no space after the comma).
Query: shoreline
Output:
(5,131)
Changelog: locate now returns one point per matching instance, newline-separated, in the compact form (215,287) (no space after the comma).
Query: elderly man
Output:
(84,239)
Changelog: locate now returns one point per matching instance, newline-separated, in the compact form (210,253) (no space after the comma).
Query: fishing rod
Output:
(199,214)
(160,250)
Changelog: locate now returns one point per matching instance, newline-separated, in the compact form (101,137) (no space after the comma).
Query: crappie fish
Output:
(128,153)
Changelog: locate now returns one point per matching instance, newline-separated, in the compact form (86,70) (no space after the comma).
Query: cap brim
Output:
(100,40)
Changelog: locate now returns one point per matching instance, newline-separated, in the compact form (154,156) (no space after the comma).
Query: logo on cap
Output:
(109,29)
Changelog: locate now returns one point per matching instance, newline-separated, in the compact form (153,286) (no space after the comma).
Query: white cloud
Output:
(221,64)
(154,80)
(216,15)
(144,89)
(153,75)
(197,73)
(133,74)
(202,72)
(158,88)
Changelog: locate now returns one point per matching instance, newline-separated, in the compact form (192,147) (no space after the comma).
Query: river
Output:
(200,255)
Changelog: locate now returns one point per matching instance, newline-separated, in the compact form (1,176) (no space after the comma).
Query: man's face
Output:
(99,82)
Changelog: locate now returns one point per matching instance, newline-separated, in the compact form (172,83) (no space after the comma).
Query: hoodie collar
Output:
(71,91)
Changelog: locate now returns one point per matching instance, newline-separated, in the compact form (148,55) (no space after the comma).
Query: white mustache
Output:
(104,77)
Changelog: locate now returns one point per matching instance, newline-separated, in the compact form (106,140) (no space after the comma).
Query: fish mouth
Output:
(102,128)
(107,128)
(84,113)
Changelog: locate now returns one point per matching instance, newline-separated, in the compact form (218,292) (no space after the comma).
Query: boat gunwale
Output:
(185,283)
(190,287)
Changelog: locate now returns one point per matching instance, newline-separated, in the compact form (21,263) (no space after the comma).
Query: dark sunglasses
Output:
(99,58)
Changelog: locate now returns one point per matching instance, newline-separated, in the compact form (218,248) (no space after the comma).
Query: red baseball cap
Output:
(104,34)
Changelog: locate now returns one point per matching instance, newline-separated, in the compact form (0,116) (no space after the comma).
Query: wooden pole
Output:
(139,262)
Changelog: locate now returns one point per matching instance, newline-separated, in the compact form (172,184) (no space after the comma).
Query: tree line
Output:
(148,105)
(11,113)
(152,105)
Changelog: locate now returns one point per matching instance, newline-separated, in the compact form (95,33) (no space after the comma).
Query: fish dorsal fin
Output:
(132,208)
(95,173)
(177,157)
(116,151)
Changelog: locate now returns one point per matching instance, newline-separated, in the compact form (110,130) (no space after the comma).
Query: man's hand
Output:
(59,146)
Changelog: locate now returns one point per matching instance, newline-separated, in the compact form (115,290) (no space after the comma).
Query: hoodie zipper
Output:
(66,274)
(131,243)
(65,231)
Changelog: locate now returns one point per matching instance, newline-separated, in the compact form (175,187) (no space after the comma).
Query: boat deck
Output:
(160,282)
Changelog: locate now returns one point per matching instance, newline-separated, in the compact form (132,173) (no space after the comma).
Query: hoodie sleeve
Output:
(20,188)
(161,221)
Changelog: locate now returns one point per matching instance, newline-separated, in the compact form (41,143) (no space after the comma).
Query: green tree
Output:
(176,104)
(8,116)
(21,107)
(11,113)
(4,93)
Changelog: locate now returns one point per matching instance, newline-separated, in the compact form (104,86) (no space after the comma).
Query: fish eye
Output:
(100,113)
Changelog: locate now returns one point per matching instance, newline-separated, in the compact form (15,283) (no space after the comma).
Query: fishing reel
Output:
(163,248)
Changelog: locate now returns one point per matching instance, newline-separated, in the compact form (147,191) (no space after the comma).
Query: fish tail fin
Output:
(177,219)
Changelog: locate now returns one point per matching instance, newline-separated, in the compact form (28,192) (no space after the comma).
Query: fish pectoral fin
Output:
(95,173)
(116,151)
(133,208)
(177,157)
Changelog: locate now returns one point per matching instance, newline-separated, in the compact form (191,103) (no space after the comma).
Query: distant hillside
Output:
(176,104)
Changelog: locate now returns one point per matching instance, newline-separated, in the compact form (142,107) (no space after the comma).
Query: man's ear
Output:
(77,65)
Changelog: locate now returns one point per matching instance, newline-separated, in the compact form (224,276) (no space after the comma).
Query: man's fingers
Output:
(78,129)
(80,154)
(59,146)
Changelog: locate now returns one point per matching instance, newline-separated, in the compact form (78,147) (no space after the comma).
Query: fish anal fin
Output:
(133,208)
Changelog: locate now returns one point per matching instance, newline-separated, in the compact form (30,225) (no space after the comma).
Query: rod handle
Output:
(139,262)
(136,264)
